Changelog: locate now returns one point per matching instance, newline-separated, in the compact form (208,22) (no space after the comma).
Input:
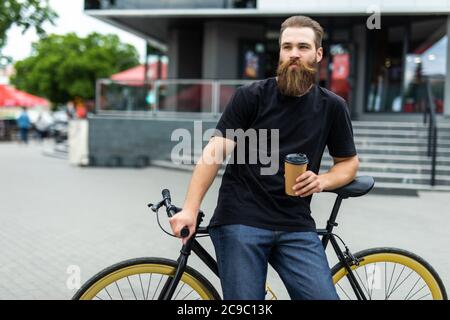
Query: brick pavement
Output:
(53,216)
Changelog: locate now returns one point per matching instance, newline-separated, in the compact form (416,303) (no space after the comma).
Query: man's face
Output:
(298,61)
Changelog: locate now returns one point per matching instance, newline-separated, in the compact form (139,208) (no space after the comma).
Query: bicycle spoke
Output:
(395,289)
(175,298)
(99,298)
(344,291)
(153,298)
(132,288)
(362,282)
(373,280)
(120,292)
(415,284)
(390,282)
(367,281)
(396,281)
(429,294)
(417,291)
(148,288)
(142,288)
(106,289)
(187,295)
(385,280)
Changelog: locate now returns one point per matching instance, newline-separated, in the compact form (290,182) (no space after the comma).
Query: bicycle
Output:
(356,276)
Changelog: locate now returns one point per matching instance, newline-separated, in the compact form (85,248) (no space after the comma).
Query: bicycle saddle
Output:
(358,187)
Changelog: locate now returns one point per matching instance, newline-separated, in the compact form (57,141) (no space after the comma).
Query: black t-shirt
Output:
(306,124)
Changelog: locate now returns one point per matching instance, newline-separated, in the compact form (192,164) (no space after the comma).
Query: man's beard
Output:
(296,81)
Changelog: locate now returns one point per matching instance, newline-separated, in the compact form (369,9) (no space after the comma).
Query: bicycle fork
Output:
(351,277)
(172,282)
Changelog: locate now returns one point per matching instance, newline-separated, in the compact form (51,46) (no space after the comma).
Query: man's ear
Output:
(319,55)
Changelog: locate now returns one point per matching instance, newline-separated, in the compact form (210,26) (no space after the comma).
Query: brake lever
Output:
(155,207)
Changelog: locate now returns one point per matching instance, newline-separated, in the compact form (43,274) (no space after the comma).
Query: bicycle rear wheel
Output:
(143,279)
(390,274)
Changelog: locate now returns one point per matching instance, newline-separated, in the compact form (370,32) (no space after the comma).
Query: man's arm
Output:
(204,173)
(341,173)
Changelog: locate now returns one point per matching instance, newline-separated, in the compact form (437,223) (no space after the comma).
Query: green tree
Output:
(25,14)
(63,67)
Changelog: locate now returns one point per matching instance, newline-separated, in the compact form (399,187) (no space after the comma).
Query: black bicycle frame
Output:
(193,245)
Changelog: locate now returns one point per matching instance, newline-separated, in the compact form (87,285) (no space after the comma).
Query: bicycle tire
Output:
(137,268)
(404,259)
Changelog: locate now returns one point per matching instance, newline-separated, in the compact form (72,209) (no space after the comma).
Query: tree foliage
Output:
(63,67)
(25,14)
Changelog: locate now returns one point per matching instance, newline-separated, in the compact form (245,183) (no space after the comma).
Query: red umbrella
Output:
(11,97)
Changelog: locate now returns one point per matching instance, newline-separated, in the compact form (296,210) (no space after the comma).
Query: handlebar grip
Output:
(184,232)
(166,194)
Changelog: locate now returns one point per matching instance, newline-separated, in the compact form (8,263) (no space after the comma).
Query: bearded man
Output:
(256,222)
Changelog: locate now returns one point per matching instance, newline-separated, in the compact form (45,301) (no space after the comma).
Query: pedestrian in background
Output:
(24,124)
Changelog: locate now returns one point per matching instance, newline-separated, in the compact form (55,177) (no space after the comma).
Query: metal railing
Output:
(429,115)
(172,97)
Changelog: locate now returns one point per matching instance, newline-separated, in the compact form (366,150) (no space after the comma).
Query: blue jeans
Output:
(243,254)
(24,135)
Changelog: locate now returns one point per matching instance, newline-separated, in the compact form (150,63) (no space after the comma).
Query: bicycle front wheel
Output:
(143,279)
(390,274)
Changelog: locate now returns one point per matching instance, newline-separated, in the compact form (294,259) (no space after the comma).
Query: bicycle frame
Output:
(193,245)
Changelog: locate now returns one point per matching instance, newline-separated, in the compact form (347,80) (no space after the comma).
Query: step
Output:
(396,159)
(405,178)
(392,124)
(380,160)
(383,132)
(401,150)
(383,141)
(384,187)
(406,129)
(406,148)
(418,187)
(391,176)
(399,168)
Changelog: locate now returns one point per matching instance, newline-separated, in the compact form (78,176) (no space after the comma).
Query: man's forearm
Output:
(341,174)
(202,178)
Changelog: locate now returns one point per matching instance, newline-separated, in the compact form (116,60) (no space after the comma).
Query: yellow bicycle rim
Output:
(426,275)
(98,286)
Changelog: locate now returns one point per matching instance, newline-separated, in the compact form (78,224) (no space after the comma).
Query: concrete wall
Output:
(136,142)
(185,52)
(221,47)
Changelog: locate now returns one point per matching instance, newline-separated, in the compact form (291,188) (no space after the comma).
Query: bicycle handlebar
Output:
(171,210)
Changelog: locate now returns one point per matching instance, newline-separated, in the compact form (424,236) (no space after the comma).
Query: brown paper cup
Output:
(294,165)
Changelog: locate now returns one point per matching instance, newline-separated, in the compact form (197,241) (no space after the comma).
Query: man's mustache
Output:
(305,65)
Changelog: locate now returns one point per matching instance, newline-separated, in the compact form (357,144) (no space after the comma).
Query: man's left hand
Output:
(308,183)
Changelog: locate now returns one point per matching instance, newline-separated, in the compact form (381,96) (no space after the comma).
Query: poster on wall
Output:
(252,60)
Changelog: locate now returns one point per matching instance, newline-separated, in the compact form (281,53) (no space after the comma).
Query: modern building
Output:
(389,59)
(376,51)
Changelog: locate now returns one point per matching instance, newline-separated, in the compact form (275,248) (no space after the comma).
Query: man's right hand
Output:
(184,218)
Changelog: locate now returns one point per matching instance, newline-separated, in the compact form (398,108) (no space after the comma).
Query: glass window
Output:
(169,4)
(385,69)
(402,61)
(425,64)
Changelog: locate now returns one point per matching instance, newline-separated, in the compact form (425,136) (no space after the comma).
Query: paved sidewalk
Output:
(55,217)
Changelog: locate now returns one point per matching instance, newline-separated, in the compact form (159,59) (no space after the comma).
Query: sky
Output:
(71,19)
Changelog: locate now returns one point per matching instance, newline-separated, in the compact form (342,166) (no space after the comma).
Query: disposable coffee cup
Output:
(294,165)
